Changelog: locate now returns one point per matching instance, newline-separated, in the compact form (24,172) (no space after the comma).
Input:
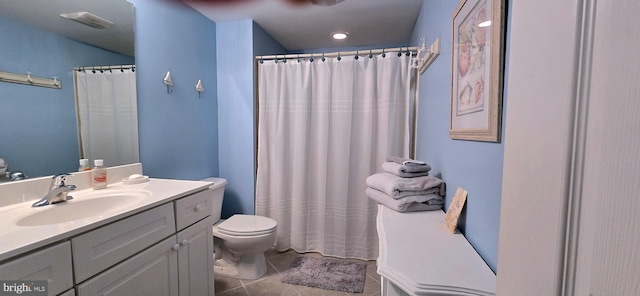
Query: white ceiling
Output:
(307,26)
(45,14)
(300,26)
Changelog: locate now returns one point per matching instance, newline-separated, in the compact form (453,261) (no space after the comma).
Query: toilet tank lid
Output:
(247,224)
(216,181)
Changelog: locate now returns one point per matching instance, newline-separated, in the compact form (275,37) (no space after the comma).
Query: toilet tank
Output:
(217,191)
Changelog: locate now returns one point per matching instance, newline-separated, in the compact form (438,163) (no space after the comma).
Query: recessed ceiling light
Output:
(340,35)
(484,24)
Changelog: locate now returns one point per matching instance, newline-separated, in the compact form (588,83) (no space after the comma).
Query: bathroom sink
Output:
(83,206)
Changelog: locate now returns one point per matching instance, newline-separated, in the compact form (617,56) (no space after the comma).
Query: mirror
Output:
(38,131)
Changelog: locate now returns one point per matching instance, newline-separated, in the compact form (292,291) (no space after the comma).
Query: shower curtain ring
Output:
(384,55)
(323,59)
(298,58)
(370,54)
(339,57)
(356,57)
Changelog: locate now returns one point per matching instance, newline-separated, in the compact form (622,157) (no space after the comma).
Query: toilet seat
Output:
(247,225)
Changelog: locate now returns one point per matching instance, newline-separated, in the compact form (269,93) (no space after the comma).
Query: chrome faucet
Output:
(58,191)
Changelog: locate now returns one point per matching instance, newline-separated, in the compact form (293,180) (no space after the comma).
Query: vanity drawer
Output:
(104,247)
(52,264)
(193,208)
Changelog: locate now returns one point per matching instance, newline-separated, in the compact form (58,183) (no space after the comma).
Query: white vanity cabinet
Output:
(154,238)
(51,263)
(178,265)
(173,267)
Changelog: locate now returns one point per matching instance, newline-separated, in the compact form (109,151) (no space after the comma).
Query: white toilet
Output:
(241,240)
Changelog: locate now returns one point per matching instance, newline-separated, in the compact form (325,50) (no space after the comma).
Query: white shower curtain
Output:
(324,127)
(107,115)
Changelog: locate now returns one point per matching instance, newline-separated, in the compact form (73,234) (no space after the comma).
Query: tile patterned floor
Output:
(270,284)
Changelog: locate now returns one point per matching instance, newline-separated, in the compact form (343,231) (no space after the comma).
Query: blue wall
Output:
(39,131)
(474,166)
(238,43)
(178,131)
(235,123)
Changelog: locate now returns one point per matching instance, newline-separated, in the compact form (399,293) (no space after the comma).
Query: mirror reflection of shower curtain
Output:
(107,115)
(324,127)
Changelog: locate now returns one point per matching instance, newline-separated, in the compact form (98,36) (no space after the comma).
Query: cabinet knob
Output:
(198,208)
(184,242)
(175,247)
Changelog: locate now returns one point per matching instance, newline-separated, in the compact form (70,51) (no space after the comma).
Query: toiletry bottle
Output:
(99,175)
(84,165)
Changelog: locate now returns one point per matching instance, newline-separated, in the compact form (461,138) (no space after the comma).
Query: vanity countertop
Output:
(15,239)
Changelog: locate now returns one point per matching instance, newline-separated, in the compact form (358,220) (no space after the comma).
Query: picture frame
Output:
(477,70)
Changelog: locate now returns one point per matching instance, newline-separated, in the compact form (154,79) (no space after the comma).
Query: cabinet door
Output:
(152,272)
(195,259)
(52,264)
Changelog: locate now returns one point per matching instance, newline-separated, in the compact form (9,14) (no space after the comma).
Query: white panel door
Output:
(570,216)
(608,260)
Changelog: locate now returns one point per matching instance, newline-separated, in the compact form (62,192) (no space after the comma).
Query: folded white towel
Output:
(403,170)
(405,161)
(398,187)
(406,168)
(413,203)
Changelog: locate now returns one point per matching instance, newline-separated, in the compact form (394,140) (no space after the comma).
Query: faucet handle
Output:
(59,179)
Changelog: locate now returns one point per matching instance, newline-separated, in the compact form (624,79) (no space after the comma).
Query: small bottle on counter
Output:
(84,165)
(99,175)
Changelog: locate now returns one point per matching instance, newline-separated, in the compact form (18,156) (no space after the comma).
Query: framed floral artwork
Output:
(477,70)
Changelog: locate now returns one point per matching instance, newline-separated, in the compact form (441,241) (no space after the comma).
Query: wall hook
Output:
(199,88)
(168,81)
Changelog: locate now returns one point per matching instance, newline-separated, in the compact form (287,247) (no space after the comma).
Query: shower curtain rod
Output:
(412,50)
(119,67)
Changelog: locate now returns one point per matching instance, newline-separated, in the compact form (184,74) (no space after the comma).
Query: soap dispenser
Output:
(99,175)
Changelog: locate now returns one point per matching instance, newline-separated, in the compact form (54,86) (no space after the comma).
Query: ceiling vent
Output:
(88,19)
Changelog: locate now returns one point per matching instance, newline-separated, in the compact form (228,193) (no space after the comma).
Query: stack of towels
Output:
(405,186)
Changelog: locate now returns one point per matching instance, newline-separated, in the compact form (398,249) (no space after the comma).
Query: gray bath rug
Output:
(326,273)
